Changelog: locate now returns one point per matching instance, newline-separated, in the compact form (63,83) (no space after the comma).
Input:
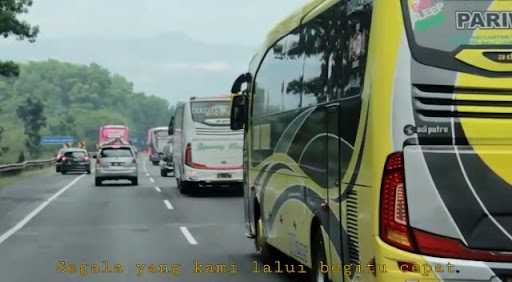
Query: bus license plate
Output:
(224,175)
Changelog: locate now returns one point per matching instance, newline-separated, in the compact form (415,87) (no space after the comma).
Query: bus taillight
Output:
(188,155)
(394,222)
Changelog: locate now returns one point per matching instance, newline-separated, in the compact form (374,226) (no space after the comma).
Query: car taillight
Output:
(188,155)
(394,221)
(86,158)
(64,159)
(98,160)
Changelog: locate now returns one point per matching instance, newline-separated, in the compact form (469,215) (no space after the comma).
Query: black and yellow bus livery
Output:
(378,140)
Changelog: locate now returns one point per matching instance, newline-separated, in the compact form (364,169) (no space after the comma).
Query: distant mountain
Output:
(171,65)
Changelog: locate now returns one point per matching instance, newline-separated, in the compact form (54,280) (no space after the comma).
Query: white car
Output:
(115,162)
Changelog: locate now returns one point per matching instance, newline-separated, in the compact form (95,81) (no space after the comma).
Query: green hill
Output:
(77,101)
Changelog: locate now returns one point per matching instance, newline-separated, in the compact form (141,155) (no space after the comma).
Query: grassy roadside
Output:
(11,179)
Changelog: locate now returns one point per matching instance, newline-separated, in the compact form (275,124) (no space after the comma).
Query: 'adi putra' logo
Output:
(426,14)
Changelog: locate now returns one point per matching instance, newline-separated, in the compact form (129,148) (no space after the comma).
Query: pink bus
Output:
(113,133)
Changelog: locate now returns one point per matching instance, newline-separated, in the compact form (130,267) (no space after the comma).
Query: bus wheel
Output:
(263,249)
(184,187)
(318,257)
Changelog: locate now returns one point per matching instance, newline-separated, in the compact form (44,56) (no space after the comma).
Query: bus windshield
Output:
(446,25)
(210,112)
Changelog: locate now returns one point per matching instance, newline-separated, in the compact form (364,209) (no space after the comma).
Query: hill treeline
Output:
(77,100)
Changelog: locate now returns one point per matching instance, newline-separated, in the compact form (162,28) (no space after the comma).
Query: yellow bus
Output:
(378,140)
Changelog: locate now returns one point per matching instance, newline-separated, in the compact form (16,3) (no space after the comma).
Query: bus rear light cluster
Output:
(396,230)
(394,221)
(188,155)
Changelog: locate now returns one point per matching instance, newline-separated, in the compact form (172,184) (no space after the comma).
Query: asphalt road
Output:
(62,228)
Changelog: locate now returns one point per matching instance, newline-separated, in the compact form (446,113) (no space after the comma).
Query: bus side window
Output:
(278,81)
(357,31)
(323,47)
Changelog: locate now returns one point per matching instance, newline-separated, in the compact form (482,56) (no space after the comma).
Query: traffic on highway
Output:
(298,140)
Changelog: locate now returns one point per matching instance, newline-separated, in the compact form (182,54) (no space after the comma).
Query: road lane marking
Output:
(168,205)
(147,174)
(152,180)
(35,212)
(158,189)
(188,235)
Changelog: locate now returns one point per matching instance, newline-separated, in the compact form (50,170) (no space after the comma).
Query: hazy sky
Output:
(171,48)
(216,21)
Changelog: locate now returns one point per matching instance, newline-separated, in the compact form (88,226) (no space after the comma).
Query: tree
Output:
(10,25)
(32,115)
(3,149)
(77,100)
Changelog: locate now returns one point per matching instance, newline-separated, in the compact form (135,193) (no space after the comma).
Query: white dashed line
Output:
(158,189)
(147,174)
(168,205)
(35,212)
(152,180)
(188,236)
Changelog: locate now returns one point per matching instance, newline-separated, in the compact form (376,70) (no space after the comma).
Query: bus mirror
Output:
(171,127)
(238,112)
(237,85)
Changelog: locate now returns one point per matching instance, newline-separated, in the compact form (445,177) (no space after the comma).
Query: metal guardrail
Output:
(28,165)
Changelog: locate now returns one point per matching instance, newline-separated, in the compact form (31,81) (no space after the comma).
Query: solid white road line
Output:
(168,205)
(35,212)
(158,189)
(152,180)
(188,236)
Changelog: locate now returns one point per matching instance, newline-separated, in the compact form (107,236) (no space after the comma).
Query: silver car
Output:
(115,162)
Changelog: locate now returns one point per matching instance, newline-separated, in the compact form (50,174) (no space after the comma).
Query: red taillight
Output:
(86,158)
(396,231)
(98,160)
(188,155)
(64,159)
(394,221)
(440,246)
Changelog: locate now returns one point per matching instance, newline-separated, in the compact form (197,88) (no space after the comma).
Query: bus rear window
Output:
(161,139)
(447,25)
(209,112)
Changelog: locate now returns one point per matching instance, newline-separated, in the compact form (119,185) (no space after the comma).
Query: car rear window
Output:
(116,153)
(76,154)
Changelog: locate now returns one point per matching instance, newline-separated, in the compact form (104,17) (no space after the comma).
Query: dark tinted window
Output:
(116,153)
(75,154)
(357,30)
(323,48)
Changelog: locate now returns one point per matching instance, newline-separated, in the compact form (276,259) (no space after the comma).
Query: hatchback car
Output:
(58,159)
(75,160)
(116,162)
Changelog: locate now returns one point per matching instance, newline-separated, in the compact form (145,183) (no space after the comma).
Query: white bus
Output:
(207,153)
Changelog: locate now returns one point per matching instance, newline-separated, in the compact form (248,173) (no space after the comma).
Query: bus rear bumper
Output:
(393,264)
(206,178)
